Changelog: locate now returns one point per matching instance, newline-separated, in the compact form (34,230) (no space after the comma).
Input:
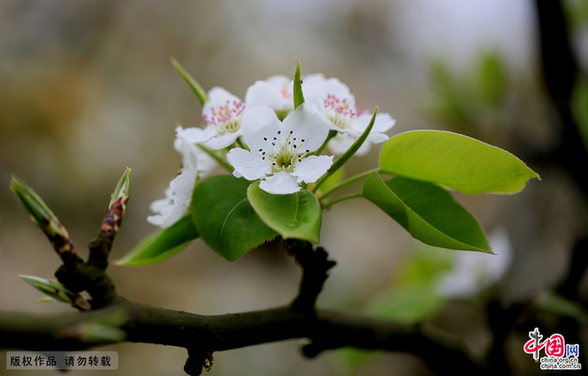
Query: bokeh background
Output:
(87,89)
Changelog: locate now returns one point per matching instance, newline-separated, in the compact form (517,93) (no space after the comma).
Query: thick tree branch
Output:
(203,335)
(315,265)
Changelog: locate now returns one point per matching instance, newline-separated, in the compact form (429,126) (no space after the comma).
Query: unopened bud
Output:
(117,205)
(43,217)
(57,291)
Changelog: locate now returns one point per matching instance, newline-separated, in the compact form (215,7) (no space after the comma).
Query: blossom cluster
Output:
(266,138)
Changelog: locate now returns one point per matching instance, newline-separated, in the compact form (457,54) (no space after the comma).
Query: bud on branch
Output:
(43,217)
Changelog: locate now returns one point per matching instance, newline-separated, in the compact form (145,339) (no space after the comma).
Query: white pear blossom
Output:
(195,164)
(474,271)
(334,99)
(280,152)
(222,114)
(276,92)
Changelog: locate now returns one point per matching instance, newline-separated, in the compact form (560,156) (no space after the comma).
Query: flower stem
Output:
(346,182)
(344,198)
(241,144)
(332,133)
(217,158)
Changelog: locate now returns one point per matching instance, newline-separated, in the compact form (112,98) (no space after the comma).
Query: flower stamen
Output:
(283,153)
(226,118)
(340,112)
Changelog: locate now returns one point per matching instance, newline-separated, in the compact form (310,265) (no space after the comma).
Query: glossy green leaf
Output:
(162,244)
(225,219)
(294,216)
(456,161)
(427,212)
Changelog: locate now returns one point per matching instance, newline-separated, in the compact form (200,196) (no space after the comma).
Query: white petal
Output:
(312,168)
(163,204)
(217,96)
(183,185)
(377,137)
(316,88)
(221,142)
(193,157)
(196,135)
(263,94)
(383,122)
(169,218)
(308,125)
(281,183)
(313,88)
(341,143)
(281,82)
(248,165)
(257,123)
(270,93)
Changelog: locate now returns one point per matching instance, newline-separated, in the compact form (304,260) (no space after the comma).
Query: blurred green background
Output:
(87,89)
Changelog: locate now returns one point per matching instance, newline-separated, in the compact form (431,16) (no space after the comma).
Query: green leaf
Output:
(427,212)
(456,161)
(225,219)
(162,244)
(294,216)
(297,89)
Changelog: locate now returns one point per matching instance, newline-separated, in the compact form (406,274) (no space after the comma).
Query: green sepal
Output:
(196,88)
(293,216)
(297,87)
